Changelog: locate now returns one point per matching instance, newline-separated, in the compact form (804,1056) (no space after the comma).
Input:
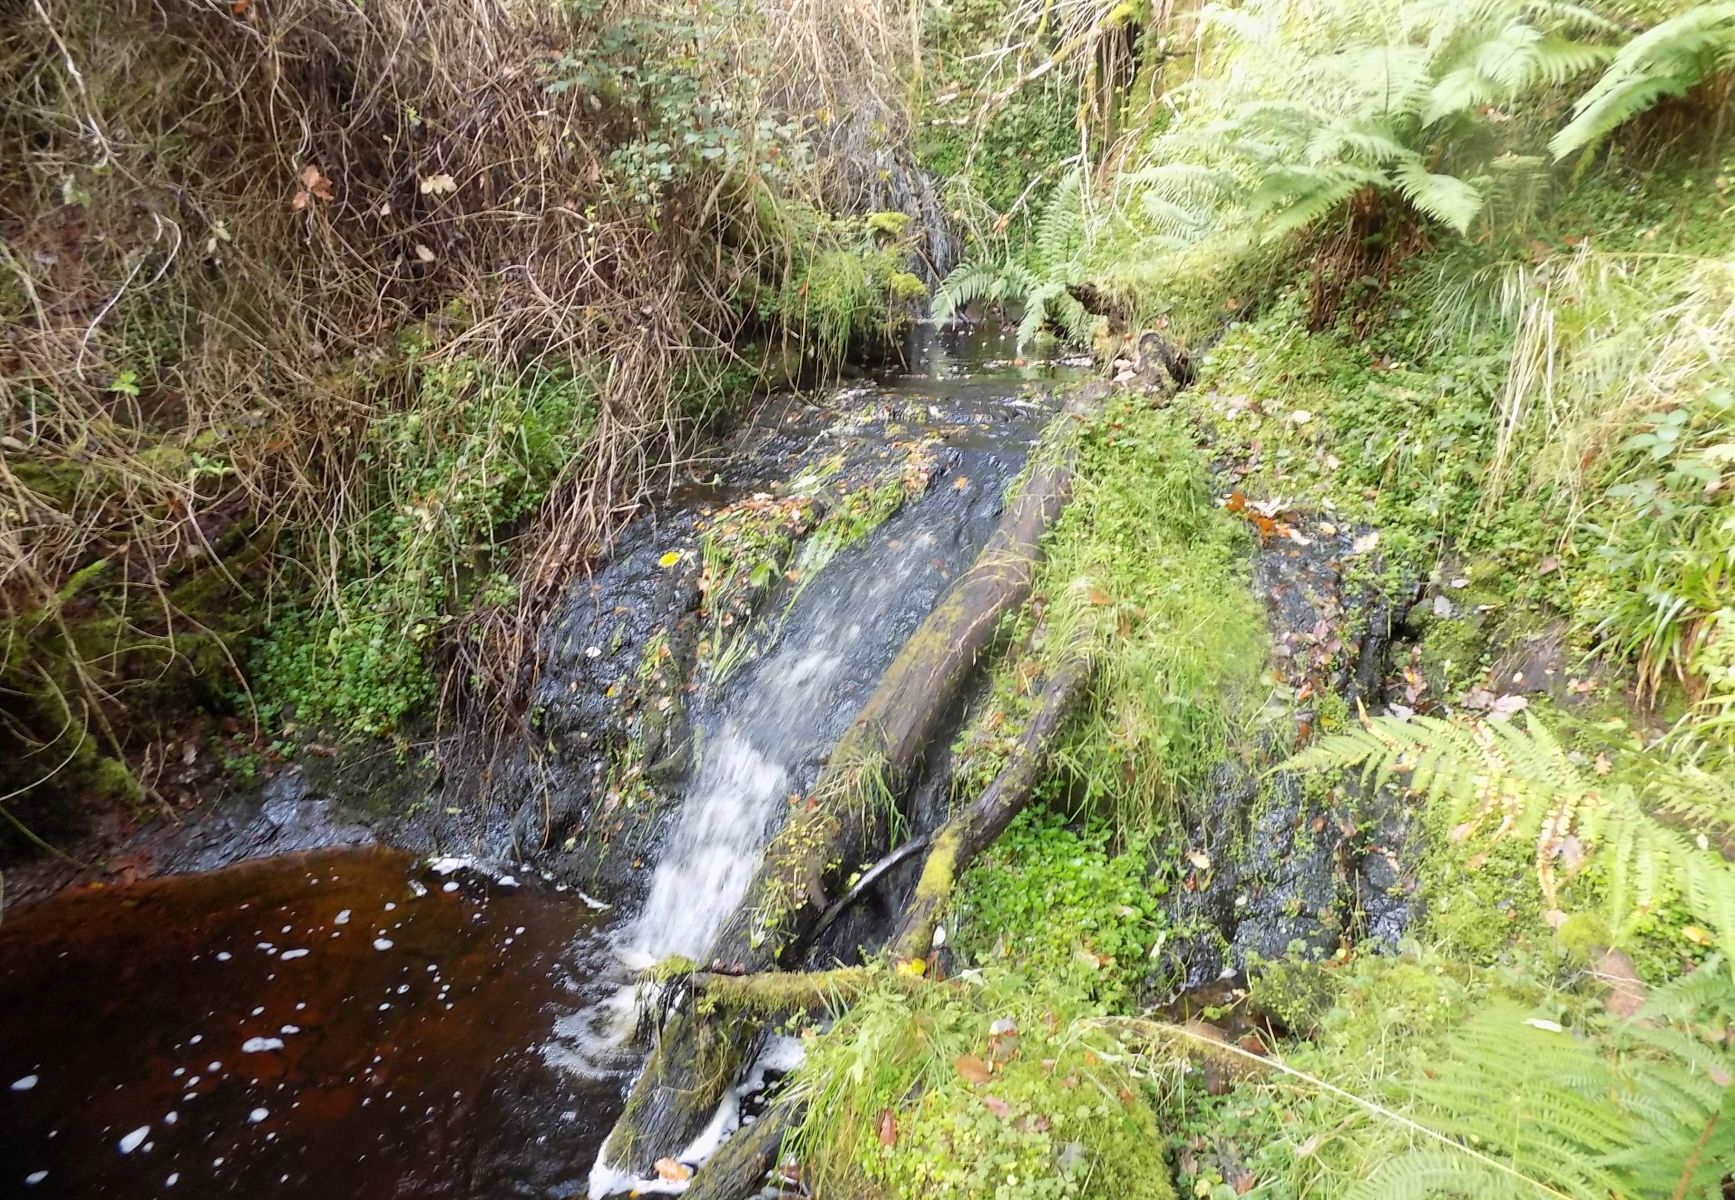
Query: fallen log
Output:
(878,754)
(863,781)
(972,831)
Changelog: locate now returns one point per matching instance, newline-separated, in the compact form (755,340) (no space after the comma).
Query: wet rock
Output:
(1331,628)
(1298,865)
(610,698)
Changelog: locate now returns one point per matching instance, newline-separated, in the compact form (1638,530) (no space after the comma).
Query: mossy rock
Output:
(1294,994)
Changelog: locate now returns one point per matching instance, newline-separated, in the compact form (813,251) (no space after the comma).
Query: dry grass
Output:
(216,222)
(1601,339)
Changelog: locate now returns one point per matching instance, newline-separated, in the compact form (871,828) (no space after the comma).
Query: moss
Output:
(111,779)
(692,1065)
(1479,901)
(1455,648)
(1293,993)
(975,1092)
(1583,937)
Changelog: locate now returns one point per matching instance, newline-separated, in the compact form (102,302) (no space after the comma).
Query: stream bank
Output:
(935,452)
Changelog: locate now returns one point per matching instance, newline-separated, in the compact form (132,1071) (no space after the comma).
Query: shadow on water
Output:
(343,1023)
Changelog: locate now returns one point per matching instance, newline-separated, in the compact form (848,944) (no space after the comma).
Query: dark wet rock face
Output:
(1297,866)
(601,686)
(1329,630)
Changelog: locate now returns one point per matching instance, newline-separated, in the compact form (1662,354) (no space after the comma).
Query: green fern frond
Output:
(1077,322)
(1555,62)
(1425,1174)
(1446,198)
(1519,781)
(1294,198)
(1036,311)
(1547,1111)
(1371,143)
(1061,230)
(1668,59)
(1172,218)
(1393,80)
(964,285)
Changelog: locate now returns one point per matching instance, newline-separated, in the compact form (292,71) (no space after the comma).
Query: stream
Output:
(361,1022)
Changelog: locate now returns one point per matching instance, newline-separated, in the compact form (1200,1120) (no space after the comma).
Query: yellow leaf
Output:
(1696,935)
(671,1171)
(669,559)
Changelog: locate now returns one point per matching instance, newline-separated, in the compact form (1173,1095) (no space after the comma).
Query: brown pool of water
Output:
(340,1024)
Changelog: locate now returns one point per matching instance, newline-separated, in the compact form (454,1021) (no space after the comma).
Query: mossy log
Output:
(806,864)
(874,761)
(972,831)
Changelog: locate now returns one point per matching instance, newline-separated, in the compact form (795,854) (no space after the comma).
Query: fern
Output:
(964,285)
(1039,282)
(1307,131)
(1507,780)
(1492,1097)
(1557,1112)
(1451,201)
(1670,59)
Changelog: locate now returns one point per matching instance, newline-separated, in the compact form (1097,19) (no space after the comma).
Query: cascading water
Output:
(782,722)
(778,718)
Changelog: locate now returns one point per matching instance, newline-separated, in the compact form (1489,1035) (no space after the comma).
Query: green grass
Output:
(1145,562)
(1143,565)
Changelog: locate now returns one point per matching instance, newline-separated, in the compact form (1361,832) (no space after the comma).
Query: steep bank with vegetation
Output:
(1379,660)
(338,338)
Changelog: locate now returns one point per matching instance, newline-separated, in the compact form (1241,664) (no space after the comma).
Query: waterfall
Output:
(784,716)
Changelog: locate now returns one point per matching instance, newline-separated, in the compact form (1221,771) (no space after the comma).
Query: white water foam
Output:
(780,1054)
(745,775)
